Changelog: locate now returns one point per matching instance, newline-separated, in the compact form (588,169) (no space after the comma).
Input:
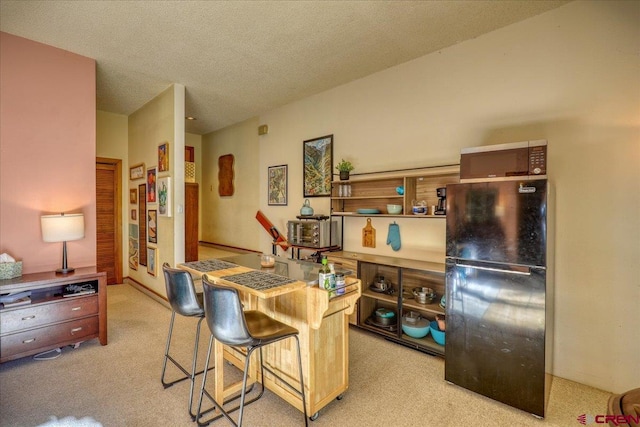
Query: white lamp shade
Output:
(62,228)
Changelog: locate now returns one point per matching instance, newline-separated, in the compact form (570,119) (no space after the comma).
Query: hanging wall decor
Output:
(164,196)
(142,230)
(277,185)
(151,185)
(152,225)
(151,258)
(225,175)
(163,157)
(136,172)
(133,253)
(317,160)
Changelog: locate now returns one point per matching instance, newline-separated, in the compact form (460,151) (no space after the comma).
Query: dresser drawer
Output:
(47,336)
(13,320)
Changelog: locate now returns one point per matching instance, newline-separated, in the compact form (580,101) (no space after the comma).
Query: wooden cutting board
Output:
(369,235)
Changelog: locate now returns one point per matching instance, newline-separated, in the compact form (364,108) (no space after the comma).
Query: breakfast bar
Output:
(288,292)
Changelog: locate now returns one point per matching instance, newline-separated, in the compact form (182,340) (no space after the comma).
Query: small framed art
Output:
(277,185)
(151,185)
(163,157)
(136,172)
(164,196)
(152,225)
(151,261)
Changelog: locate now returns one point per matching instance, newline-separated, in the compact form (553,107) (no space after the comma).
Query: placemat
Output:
(209,265)
(258,280)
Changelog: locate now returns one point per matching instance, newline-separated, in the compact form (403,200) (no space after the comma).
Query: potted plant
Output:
(344,167)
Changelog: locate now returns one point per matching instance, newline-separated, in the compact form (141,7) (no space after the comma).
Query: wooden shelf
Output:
(377,190)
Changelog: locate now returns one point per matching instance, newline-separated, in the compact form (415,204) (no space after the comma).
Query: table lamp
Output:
(62,228)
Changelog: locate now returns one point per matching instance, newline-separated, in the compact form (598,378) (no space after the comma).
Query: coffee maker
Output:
(441,209)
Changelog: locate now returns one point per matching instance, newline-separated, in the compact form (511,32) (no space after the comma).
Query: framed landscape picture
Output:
(317,159)
(277,185)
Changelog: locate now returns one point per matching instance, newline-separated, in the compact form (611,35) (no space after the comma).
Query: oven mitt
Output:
(393,238)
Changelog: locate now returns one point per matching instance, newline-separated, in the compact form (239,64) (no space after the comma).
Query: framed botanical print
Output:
(163,157)
(164,196)
(277,185)
(317,160)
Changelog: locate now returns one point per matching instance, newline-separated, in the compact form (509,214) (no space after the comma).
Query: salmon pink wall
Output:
(47,150)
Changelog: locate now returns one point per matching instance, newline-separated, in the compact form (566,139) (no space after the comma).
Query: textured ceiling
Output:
(239,59)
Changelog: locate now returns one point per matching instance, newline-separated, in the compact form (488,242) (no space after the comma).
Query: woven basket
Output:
(9,270)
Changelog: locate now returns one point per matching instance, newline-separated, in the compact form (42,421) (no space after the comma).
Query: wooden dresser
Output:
(52,320)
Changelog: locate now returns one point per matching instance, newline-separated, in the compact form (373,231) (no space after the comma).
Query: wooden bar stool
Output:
(186,302)
(251,330)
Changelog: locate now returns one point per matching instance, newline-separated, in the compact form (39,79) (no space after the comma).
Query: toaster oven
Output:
(313,233)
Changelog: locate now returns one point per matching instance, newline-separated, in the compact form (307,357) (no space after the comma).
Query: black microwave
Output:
(517,160)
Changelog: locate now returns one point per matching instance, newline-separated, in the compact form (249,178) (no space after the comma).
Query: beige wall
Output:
(112,137)
(230,220)
(160,120)
(569,76)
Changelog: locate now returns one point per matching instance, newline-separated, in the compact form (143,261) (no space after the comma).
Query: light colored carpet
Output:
(119,384)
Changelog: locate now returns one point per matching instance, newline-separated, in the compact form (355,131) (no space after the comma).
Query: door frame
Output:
(117,211)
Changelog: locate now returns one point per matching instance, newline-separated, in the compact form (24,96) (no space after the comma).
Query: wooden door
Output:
(190,222)
(109,219)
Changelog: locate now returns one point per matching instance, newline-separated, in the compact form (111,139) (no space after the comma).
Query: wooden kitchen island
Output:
(322,322)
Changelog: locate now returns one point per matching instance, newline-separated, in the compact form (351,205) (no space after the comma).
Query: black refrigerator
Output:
(498,306)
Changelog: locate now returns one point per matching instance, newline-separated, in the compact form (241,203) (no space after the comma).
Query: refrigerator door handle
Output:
(525,272)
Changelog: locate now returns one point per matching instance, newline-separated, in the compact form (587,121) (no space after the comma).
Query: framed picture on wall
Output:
(142,236)
(164,196)
(151,261)
(134,215)
(133,253)
(136,172)
(277,185)
(133,196)
(152,225)
(317,160)
(163,157)
(151,185)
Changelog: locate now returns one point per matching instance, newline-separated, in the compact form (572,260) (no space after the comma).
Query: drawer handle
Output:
(30,340)
(29,317)
(76,308)
(74,330)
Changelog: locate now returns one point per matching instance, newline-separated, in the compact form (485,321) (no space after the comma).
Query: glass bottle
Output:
(326,279)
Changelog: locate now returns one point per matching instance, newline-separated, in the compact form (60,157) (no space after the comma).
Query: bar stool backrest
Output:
(224,314)
(181,292)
